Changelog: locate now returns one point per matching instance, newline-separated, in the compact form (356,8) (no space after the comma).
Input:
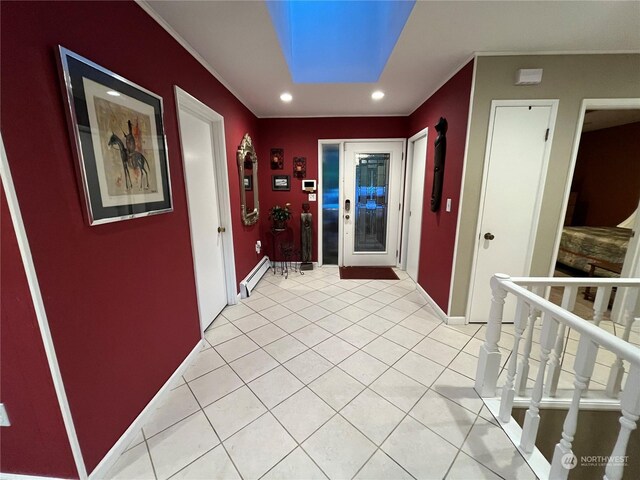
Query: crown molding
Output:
(192,51)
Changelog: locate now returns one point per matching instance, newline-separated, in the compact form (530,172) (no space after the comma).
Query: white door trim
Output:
(41,313)
(194,106)
(319,197)
(591,104)
(594,104)
(407,194)
(485,171)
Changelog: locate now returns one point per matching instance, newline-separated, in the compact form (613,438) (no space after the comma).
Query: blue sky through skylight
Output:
(338,41)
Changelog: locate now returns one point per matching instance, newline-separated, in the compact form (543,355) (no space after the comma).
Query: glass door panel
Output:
(330,203)
(371,202)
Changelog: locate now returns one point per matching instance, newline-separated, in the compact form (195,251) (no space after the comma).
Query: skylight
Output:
(338,41)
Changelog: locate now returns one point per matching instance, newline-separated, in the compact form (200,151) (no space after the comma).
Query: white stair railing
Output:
(557,321)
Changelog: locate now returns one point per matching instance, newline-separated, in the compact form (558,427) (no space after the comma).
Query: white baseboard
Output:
(457,321)
(535,459)
(251,280)
(15,476)
(443,316)
(128,436)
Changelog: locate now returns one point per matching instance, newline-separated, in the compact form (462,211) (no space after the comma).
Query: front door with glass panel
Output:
(371,203)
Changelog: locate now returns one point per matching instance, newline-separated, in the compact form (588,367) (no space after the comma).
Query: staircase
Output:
(541,331)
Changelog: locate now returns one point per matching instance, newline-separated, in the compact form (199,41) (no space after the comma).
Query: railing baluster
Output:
(489,356)
(523,368)
(508,392)
(601,303)
(583,367)
(556,320)
(630,406)
(568,303)
(617,368)
(532,417)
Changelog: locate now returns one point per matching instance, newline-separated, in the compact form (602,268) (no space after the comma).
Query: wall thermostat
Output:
(309,186)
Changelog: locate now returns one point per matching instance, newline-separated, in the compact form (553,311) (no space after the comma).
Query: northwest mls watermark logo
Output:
(570,461)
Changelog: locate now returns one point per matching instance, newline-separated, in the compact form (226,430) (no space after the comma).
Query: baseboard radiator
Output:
(249,283)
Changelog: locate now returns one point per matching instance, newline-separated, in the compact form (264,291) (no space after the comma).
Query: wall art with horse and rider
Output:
(118,133)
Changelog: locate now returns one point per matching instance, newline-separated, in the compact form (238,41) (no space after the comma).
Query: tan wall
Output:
(569,78)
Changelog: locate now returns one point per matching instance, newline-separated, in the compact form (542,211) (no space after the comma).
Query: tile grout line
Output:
(333,365)
(215,433)
(311,381)
(146,444)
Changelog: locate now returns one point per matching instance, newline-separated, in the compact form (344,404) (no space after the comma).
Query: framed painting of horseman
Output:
(117,131)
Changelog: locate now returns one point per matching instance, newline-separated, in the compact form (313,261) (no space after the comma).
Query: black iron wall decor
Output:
(299,167)
(277,158)
(438,167)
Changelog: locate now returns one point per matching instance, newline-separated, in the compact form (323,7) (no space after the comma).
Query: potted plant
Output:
(279,215)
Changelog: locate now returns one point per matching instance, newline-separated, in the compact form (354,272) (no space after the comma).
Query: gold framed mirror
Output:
(248,174)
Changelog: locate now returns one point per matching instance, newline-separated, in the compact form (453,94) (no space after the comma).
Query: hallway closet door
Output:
(518,147)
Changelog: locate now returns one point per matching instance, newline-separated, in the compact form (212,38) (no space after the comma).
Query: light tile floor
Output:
(317,377)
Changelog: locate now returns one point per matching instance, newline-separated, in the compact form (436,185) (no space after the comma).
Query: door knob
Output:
(489,236)
(347,217)
(221,229)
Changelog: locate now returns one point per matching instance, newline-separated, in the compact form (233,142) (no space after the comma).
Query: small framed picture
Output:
(117,133)
(248,184)
(280,182)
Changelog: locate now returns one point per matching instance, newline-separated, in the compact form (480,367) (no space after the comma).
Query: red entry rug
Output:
(367,273)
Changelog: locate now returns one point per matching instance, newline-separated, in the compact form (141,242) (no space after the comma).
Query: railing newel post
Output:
(489,357)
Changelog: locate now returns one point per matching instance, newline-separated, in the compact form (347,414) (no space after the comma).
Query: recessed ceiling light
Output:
(113,93)
(286,97)
(377,95)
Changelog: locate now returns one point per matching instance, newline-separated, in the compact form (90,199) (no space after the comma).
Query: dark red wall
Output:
(299,138)
(26,387)
(120,298)
(439,229)
(607,176)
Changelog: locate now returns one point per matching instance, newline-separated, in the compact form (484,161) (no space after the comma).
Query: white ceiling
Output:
(237,40)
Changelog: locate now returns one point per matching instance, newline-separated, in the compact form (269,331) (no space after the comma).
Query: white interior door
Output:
(371,208)
(204,215)
(517,154)
(415,183)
